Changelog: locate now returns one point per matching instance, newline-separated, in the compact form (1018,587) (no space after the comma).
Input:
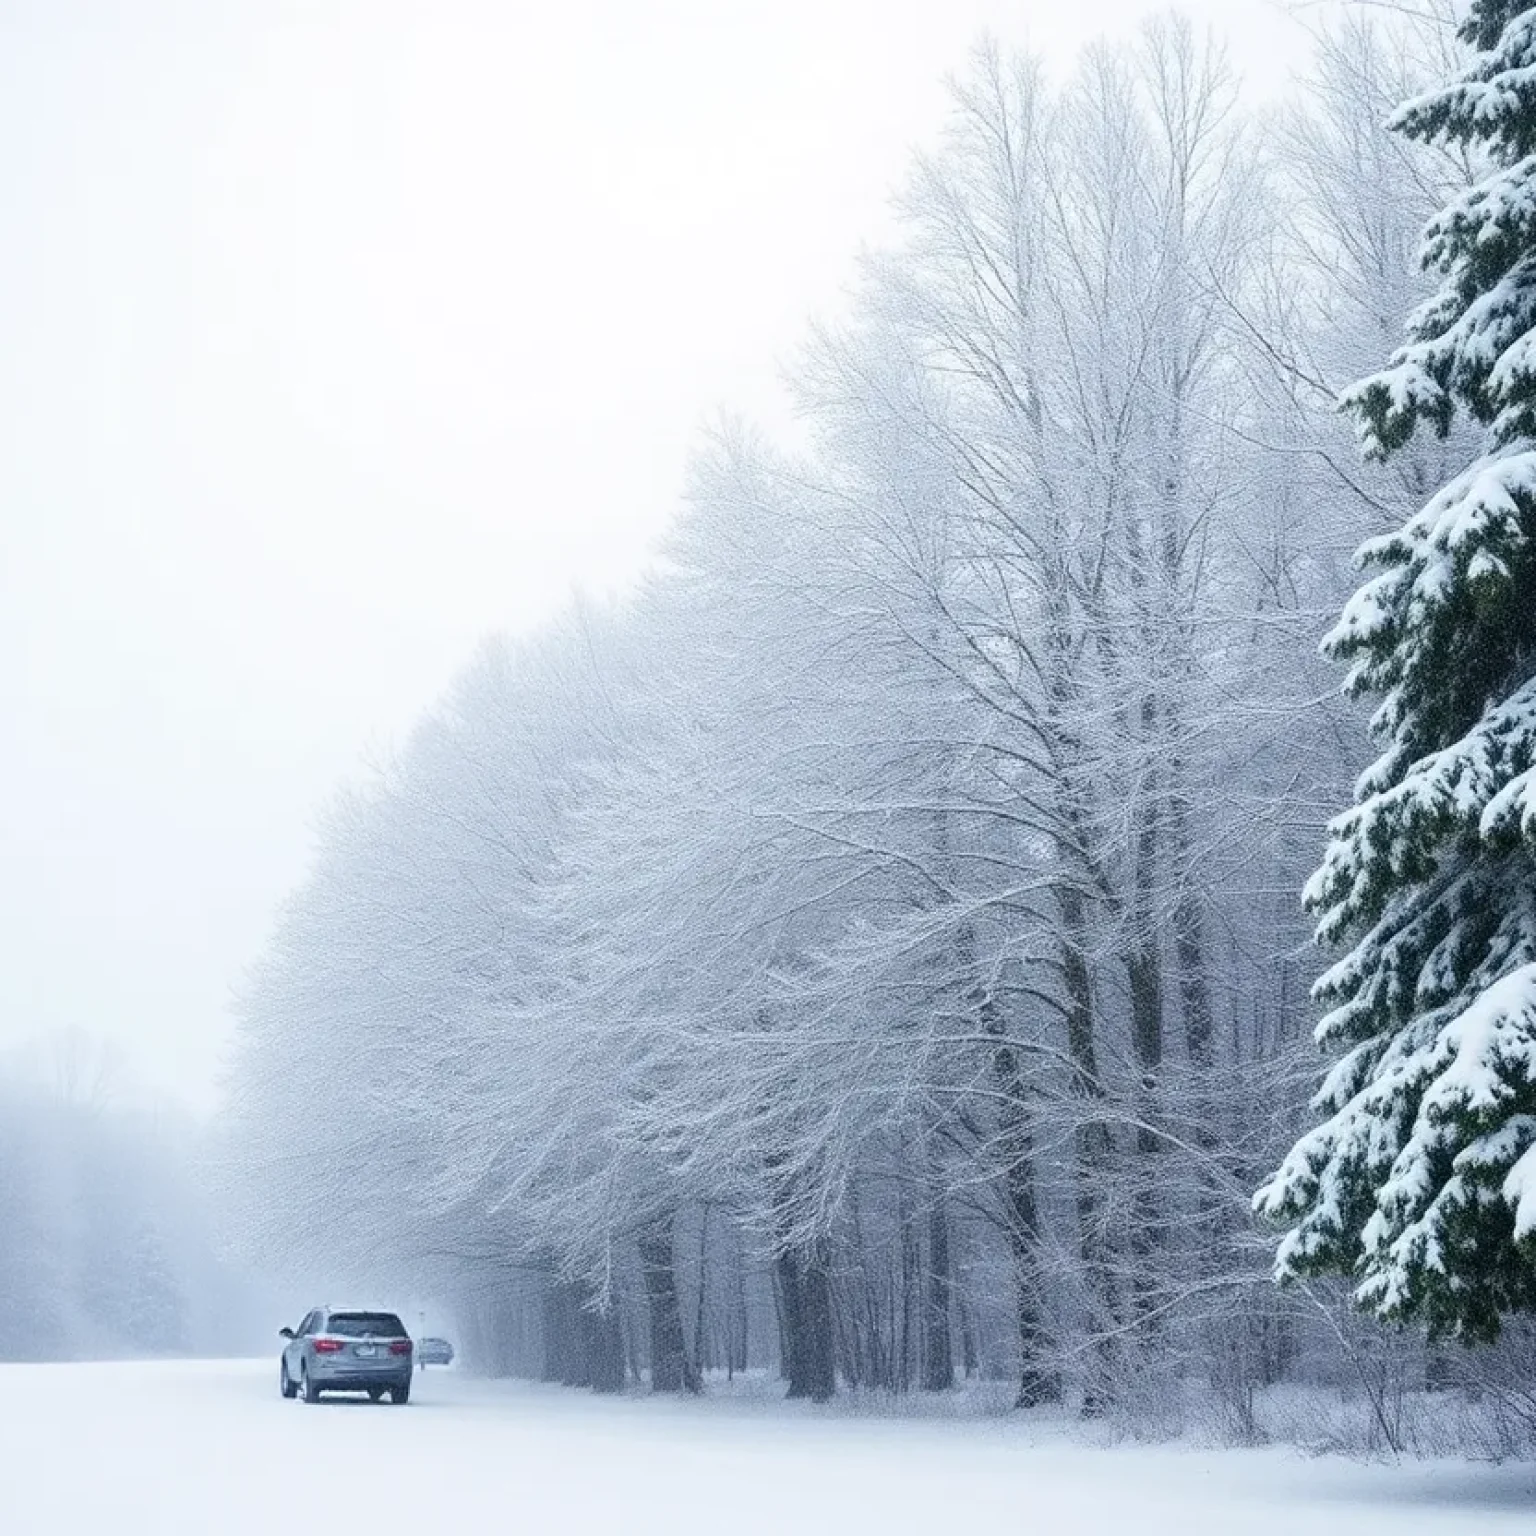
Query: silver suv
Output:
(346,1350)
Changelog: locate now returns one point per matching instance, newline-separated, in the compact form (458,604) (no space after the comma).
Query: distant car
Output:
(347,1350)
(433,1352)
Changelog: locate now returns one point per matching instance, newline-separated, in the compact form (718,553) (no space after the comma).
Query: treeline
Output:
(107,1246)
(875,950)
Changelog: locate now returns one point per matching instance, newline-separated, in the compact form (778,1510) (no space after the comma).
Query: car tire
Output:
(286,1382)
(307,1383)
(375,1394)
(400,1394)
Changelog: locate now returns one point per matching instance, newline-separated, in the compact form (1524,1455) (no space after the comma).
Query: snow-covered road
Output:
(211,1450)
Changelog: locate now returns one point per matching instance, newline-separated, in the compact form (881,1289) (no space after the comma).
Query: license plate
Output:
(365,1349)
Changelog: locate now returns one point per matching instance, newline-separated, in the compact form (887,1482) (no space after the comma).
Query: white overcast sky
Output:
(334,335)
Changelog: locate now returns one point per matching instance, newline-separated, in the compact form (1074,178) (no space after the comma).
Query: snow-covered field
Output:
(211,1450)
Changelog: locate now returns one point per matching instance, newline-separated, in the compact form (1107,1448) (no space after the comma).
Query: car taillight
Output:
(328,1346)
(400,1347)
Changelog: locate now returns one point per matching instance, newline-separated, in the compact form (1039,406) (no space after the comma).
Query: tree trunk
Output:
(1092,1150)
(805,1298)
(583,1346)
(1189,950)
(560,1364)
(740,1336)
(1145,981)
(1037,1383)
(603,1347)
(938,1373)
(1015,1146)
(968,1353)
(701,1315)
(671,1370)
(909,1298)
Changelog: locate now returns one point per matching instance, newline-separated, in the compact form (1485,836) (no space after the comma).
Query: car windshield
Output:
(366,1325)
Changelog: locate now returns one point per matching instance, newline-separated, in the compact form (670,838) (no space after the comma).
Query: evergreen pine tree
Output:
(1421,1180)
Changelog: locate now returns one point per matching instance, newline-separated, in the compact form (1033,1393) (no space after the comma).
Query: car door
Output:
(294,1352)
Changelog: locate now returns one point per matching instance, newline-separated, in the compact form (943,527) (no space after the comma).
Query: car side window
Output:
(307,1327)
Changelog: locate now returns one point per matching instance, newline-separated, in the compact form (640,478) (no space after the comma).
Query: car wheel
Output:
(400,1394)
(375,1394)
(286,1381)
(307,1382)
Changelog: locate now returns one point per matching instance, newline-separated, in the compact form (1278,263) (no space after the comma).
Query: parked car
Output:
(347,1350)
(433,1352)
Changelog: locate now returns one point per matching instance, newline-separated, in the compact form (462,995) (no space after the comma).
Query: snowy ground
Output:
(212,1450)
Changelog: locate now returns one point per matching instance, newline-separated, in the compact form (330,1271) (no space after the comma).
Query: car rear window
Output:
(364,1325)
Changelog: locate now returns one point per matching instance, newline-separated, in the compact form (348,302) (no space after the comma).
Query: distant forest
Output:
(108,1246)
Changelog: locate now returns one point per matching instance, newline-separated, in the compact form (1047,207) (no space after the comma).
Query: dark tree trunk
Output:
(786,1292)
(1213,1221)
(1092,1148)
(603,1345)
(968,1354)
(782,1302)
(805,1301)
(1145,981)
(820,1358)
(1037,1383)
(701,1313)
(671,1369)
(938,1350)
(740,1326)
(910,1294)
(1189,953)
(583,1347)
(560,1353)
(861,1351)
